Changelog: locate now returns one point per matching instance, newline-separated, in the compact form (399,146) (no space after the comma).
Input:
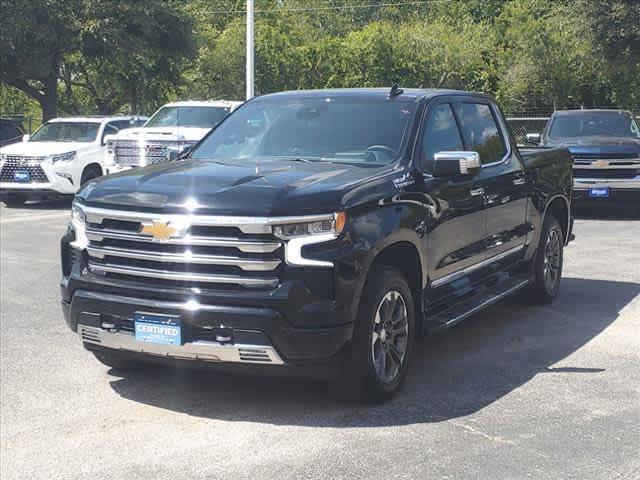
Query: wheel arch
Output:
(560,207)
(405,256)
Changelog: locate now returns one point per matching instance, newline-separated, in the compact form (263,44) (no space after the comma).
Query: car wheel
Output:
(89,174)
(14,200)
(378,358)
(547,264)
(116,360)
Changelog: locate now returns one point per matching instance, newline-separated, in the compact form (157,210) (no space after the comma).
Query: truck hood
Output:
(42,149)
(269,187)
(189,134)
(599,145)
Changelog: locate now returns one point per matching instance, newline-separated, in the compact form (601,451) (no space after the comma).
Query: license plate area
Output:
(600,192)
(158,329)
(22,176)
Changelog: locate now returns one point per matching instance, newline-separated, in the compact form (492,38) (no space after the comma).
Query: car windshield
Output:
(199,117)
(66,132)
(595,124)
(334,128)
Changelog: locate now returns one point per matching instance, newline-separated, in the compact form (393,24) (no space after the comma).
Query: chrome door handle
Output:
(518,181)
(476,191)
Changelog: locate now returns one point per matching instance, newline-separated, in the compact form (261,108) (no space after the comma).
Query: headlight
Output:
(299,234)
(64,157)
(331,224)
(78,221)
(3,157)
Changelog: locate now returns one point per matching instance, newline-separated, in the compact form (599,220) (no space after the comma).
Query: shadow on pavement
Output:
(58,203)
(605,213)
(453,374)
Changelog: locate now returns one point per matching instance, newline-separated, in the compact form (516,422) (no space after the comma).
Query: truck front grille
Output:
(193,251)
(605,173)
(132,153)
(20,163)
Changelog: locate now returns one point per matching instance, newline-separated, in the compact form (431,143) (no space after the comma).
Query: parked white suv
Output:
(170,131)
(62,155)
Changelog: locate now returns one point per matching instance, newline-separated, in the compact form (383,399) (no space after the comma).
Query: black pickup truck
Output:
(317,233)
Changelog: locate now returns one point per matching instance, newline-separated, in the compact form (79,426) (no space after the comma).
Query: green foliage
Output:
(121,55)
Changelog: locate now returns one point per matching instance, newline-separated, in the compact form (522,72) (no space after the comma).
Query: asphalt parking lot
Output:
(515,392)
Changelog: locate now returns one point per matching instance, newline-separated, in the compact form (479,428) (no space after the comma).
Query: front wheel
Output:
(547,264)
(376,364)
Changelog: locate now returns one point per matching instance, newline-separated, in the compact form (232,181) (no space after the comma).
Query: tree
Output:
(115,51)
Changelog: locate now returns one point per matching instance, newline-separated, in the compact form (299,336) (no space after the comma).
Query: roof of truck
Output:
(204,103)
(416,93)
(96,118)
(590,110)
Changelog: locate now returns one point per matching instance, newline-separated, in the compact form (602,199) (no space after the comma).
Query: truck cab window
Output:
(440,134)
(480,132)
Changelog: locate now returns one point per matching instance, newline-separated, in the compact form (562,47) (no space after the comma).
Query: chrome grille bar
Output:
(247,246)
(183,276)
(186,257)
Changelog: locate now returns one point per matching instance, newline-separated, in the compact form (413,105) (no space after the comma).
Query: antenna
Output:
(395,91)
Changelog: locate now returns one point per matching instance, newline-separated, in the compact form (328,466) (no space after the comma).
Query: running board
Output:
(460,311)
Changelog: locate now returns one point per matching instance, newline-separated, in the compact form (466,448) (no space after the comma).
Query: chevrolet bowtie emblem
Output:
(160,231)
(600,163)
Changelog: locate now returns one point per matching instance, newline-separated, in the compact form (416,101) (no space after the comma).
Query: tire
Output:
(116,361)
(377,361)
(89,174)
(14,200)
(547,264)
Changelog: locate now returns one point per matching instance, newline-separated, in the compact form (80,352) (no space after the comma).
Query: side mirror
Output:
(26,137)
(534,138)
(174,152)
(108,138)
(454,164)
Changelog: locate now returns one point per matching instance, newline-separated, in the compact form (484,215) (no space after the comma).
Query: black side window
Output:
(8,131)
(109,129)
(440,134)
(480,131)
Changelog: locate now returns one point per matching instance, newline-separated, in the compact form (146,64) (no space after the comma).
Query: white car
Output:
(62,155)
(169,132)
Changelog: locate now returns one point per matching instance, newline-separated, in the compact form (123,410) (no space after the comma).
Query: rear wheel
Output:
(547,264)
(14,200)
(376,364)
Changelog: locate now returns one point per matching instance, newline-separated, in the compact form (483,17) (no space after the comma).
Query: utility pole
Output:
(250,62)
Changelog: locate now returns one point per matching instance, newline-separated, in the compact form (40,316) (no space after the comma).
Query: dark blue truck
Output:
(605,145)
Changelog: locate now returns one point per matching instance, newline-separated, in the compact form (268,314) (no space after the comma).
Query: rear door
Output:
(456,230)
(502,179)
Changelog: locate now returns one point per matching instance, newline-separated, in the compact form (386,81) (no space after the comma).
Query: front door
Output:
(455,228)
(502,178)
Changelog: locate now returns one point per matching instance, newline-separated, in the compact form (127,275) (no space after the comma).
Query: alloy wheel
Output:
(389,339)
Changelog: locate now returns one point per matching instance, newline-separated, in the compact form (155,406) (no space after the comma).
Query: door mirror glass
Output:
(533,138)
(455,164)
(26,137)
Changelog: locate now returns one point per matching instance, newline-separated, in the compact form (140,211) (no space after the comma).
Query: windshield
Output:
(66,132)
(585,124)
(339,129)
(199,117)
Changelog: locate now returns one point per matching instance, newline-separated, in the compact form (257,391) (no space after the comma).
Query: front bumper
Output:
(60,180)
(252,334)
(625,192)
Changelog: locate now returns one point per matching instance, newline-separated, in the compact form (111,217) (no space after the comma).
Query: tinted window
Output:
(8,131)
(200,117)
(66,132)
(441,134)
(109,129)
(480,132)
(354,129)
(590,124)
